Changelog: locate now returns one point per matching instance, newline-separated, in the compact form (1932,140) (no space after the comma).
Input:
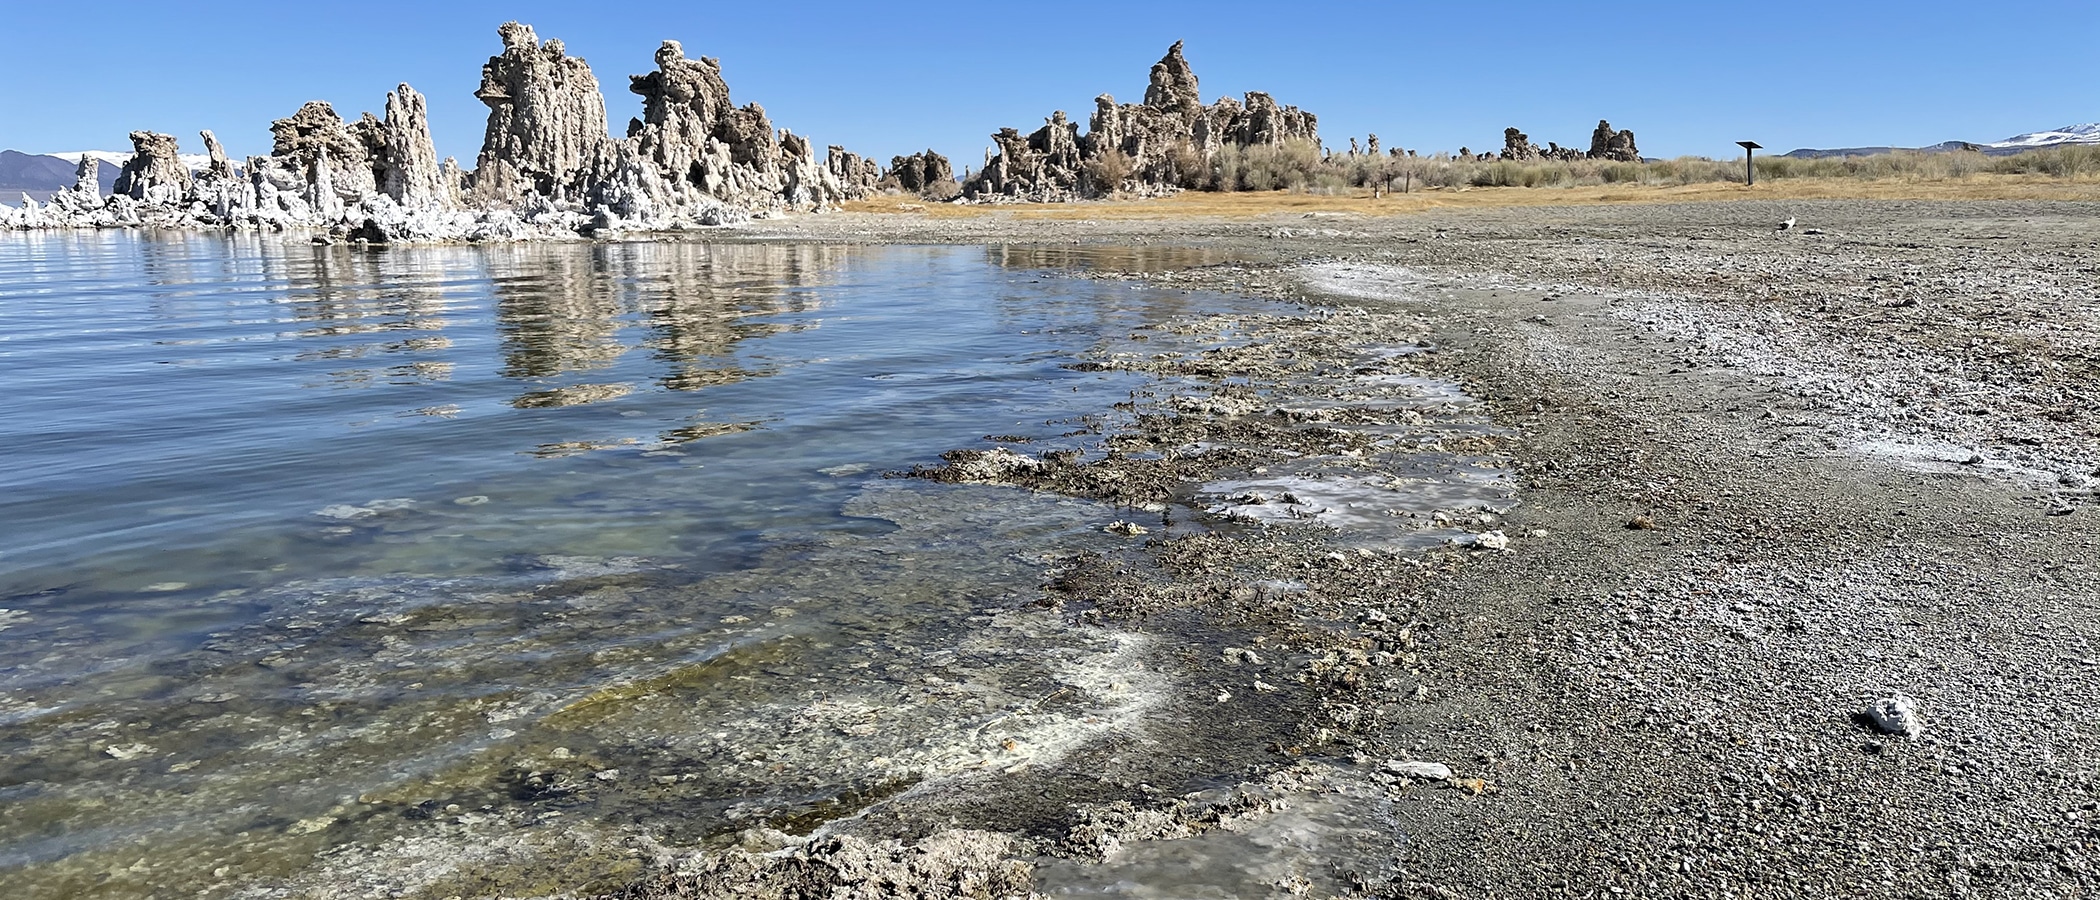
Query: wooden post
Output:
(1750,149)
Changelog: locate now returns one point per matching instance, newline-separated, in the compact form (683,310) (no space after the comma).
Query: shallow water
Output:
(331,566)
(518,570)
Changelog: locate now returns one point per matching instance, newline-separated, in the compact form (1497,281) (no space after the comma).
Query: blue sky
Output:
(889,78)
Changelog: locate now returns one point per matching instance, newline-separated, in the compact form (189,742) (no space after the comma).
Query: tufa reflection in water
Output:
(561,312)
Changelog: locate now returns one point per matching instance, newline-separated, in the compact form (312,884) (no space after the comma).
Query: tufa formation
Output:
(927,174)
(548,166)
(1605,143)
(1146,147)
(1613,145)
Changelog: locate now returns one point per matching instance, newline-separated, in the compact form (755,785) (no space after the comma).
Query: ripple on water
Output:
(474,570)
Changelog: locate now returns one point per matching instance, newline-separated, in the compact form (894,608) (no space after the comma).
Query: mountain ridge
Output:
(2088,133)
(42,174)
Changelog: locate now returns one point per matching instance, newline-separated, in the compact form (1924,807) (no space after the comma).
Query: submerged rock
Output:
(954,863)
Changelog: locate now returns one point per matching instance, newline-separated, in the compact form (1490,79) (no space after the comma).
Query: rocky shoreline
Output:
(1768,482)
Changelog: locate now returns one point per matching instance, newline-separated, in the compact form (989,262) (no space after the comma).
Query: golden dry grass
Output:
(1199,204)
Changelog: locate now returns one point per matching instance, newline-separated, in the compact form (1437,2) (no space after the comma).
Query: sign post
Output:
(1750,149)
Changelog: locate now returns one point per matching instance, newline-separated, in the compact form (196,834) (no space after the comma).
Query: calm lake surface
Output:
(322,565)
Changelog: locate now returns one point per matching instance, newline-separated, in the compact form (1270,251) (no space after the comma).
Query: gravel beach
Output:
(1767,479)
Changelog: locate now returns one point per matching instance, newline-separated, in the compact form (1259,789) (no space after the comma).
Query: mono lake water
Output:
(467,570)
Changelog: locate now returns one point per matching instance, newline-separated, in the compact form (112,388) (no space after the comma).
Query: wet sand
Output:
(1762,479)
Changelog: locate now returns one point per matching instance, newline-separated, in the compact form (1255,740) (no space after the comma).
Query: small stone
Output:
(1896,715)
(1640,523)
(1127,529)
(1415,769)
(1491,540)
(129,751)
(310,826)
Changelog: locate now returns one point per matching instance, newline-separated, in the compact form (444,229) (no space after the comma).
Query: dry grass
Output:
(1250,205)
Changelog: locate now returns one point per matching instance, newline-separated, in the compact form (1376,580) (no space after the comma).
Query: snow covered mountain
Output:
(196,161)
(2088,133)
(41,176)
(2020,143)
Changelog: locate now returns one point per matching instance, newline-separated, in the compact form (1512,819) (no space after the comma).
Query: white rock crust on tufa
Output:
(548,167)
(1896,715)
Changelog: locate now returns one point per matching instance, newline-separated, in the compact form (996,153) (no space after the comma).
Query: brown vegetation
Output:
(1287,180)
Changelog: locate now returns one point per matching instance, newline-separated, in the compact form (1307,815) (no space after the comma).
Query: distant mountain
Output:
(2088,133)
(117,158)
(1943,147)
(42,176)
(2019,143)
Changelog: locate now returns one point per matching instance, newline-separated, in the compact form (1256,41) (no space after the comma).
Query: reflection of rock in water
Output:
(1107,259)
(385,309)
(561,308)
(701,300)
(557,309)
(572,395)
(339,295)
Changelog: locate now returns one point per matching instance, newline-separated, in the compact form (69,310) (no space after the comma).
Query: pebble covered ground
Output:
(1769,480)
